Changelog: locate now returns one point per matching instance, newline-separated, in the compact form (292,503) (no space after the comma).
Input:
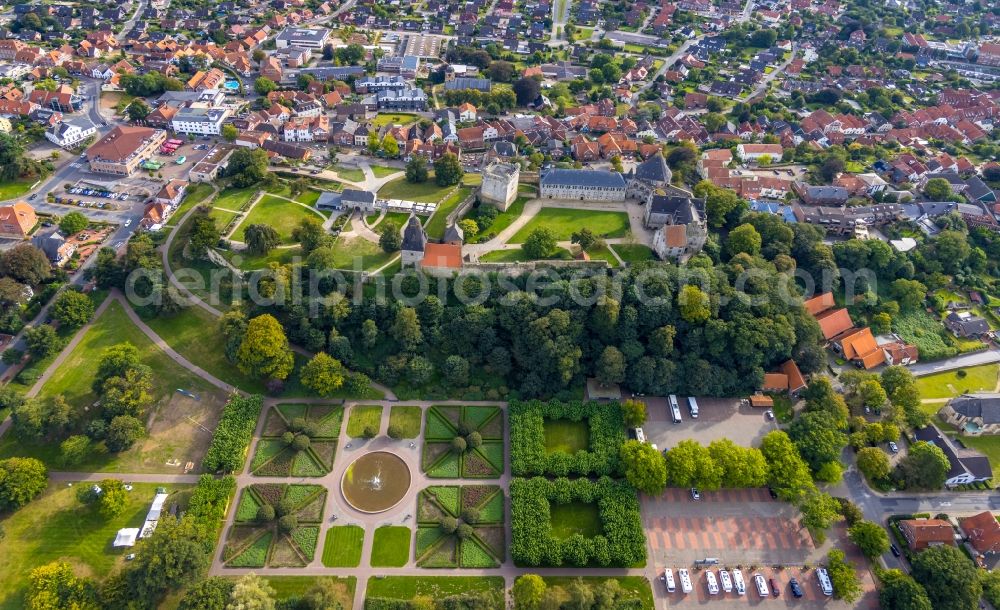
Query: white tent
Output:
(153,516)
(126,537)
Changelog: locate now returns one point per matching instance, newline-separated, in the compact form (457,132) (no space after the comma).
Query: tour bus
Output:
(685,580)
(824,581)
(668,580)
(727,583)
(758,580)
(738,583)
(713,585)
(693,407)
(675,409)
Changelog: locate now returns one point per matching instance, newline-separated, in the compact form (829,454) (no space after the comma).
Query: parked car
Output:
(893,447)
(795,587)
(695,495)
(895,550)
(775,589)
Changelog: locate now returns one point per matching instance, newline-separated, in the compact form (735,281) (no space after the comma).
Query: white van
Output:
(675,409)
(693,407)
(739,584)
(824,581)
(713,585)
(668,580)
(727,583)
(685,580)
(761,585)
(640,435)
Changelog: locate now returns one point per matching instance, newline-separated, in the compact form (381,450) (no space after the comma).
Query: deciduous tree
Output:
(900,592)
(323,375)
(21,479)
(264,352)
(72,309)
(950,578)
(645,468)
(870,537)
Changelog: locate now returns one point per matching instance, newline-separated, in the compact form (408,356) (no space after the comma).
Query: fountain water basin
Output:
(375,482)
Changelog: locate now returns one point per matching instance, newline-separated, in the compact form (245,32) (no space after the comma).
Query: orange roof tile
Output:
(819,303)
(833,322)
(442,255)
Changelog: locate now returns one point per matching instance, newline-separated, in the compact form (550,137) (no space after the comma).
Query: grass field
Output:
(407,419)
(362,416)
(398,118)
(949,384)
(397,218)
(173,435)
(371,256)
(637,586)
(249,262)
(425,192)
(15,188)
(391,547)
(603,254)
(519,256)
(563,222)
(55,527)
(436,226)
(988,444)
(343,546)
(195,334)
(633,253)
(283,215)
(233,198)
(381,171)
(196,194)
(350,174)
(435,587)
(503,220)
(575,518)
(563,435)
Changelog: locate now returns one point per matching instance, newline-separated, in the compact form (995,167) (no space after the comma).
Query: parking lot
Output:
(717,418)
(746,529)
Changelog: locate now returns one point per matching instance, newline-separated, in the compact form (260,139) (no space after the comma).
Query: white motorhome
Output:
(740,585)
(685,580)
(675,409)
(825,584)
(762,590)
(693,407)
(713,585)
(668,580)
(727,583)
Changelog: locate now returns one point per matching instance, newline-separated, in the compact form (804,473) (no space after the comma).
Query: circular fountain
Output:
(375,482)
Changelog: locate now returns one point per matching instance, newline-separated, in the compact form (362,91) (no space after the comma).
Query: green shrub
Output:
(527,438)
(233,434)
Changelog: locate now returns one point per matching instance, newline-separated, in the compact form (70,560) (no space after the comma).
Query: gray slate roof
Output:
(414,237)
(583,177)
(984,405)
(654,169)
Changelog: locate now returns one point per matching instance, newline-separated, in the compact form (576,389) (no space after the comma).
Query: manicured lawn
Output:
(564,222)
(948,385)
(566,436)
(195,334)
(407,419)
(425,192)
(398,118)
(397,218)
(603,254)
(308,197)
(362,416)
(283,215)
(343,546)
(349,173)
(633,253)
(249,262)
(233,198)
(54,526)
(15,188)
(988,444)
(436,226)
(575,518)
(435,587)
(196,194)
(518,255)
(503,220)
(294,586)
(222,218)
(381,171)
(370,254)
(391,547)
(636,586)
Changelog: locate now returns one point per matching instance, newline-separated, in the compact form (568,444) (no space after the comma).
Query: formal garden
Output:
(276,525)
(576,522)
(298,440)
(460,527)
(565,438)
(464,442)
